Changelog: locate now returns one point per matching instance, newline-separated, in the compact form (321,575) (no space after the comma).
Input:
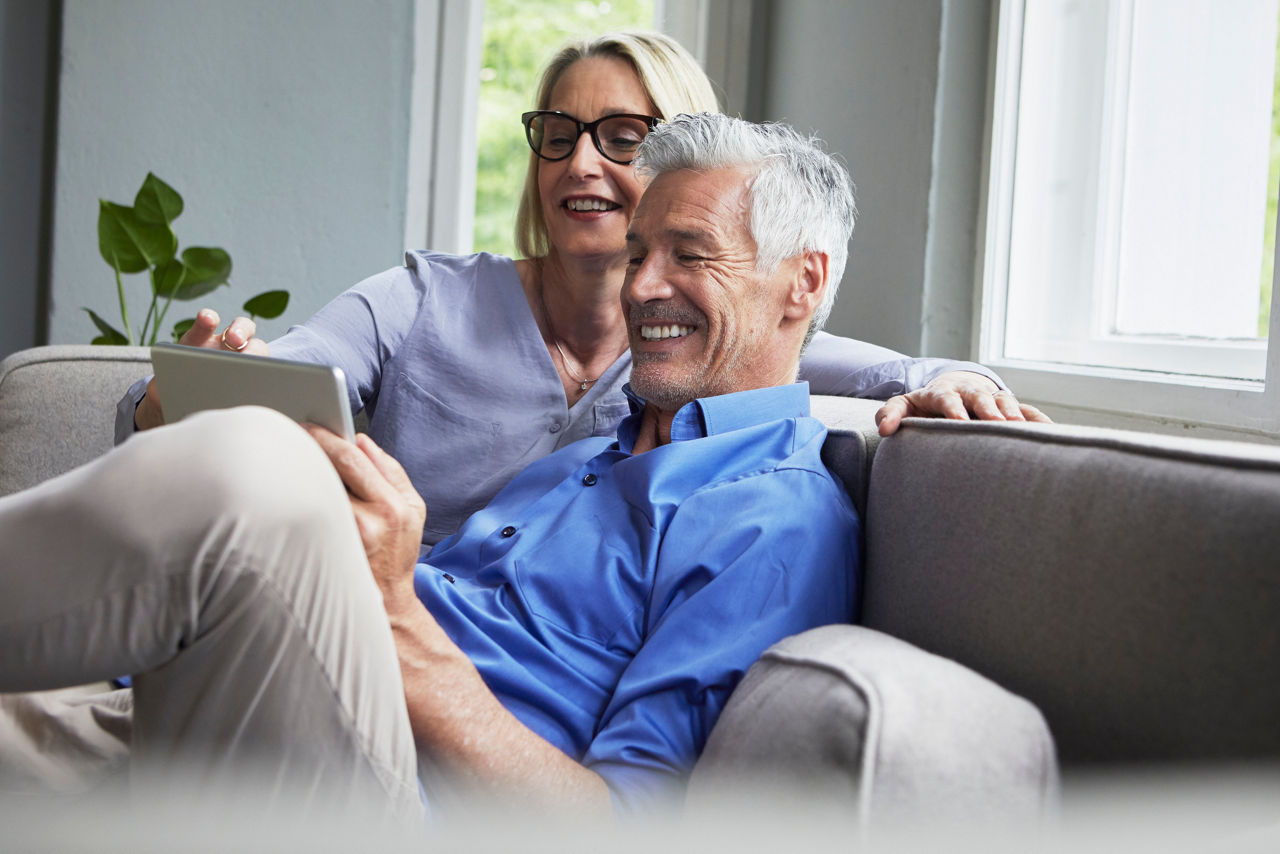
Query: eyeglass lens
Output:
(617,137)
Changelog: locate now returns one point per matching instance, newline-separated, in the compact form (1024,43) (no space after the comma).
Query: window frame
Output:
(1088,394)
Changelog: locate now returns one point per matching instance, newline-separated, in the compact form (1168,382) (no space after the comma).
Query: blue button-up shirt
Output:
(612,601)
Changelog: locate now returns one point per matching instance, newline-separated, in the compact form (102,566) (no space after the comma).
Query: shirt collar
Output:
(708,416)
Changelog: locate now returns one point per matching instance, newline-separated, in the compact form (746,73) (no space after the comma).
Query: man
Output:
(575,641)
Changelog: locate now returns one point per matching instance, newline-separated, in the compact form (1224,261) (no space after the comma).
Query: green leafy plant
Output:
(140,238)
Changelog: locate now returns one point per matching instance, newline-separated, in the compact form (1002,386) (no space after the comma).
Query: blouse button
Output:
(555,427)
(589,480)
(508,531)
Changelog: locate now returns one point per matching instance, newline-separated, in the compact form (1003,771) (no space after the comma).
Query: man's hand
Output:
(389,512)
(460,727)
(236,338)
(958,394)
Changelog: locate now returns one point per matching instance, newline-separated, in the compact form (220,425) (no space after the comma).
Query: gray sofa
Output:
(1034,597)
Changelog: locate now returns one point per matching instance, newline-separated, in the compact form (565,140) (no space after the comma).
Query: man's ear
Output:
(807,286)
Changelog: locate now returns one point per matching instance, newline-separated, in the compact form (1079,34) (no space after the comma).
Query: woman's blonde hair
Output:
(671,77)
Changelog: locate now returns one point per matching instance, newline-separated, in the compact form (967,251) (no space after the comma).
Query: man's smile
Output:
(672,330)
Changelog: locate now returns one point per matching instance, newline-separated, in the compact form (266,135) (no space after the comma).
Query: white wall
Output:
(283,124)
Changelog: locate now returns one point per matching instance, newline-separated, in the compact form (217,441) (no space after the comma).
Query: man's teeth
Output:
(655,333)
(590,205)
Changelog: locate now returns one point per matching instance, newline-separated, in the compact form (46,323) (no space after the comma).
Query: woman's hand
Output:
(236,338)
(962,395)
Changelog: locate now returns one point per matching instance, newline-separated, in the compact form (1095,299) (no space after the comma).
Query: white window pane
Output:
(1139,185)
(1195,171)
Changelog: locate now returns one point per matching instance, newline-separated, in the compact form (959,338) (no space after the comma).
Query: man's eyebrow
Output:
(689,236)
(679,235)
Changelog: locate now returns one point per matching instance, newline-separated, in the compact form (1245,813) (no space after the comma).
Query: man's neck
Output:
(655,429)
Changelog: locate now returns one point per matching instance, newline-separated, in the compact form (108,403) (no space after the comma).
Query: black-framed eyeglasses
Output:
(554,135)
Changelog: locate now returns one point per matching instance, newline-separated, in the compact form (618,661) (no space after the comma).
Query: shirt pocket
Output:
(585,582)
(446,454)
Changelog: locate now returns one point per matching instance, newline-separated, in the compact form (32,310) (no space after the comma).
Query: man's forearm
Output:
(461,728)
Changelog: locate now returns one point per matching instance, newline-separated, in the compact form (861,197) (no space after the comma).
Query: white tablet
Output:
(190,379)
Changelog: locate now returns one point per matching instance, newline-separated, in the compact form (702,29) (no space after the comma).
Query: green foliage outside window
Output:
(1273,193)
(519,37)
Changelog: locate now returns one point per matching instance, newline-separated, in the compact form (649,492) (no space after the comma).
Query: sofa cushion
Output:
(1127,584)
(853,717)
(57,407)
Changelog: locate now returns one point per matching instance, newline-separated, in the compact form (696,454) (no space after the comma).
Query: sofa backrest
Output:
(1127,584)
(57,407)
(57,410)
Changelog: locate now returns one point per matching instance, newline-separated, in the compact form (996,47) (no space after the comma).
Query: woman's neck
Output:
(579,315)
(578,306)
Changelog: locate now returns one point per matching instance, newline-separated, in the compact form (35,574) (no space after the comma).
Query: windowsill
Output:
(1146,400)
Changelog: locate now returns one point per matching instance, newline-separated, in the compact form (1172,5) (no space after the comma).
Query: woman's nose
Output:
(586,161)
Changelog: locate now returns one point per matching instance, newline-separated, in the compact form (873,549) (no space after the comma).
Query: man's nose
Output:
(646,282)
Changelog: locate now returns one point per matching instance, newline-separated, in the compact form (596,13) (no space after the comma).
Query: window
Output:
(1130,215)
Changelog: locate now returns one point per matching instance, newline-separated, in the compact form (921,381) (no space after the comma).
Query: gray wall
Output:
(864,75)
(284,125)
(27,32)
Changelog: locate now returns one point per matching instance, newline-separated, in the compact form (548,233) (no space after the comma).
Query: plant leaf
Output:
(114,243)
(180,328)
(134,244)
(157,203)
(268,304)
(168,277)
(207,268)
(110,335)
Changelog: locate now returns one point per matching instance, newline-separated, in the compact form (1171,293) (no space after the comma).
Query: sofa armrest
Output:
(57,407)
(849,716)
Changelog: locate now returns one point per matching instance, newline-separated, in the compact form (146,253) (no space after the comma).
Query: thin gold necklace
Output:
(582,384)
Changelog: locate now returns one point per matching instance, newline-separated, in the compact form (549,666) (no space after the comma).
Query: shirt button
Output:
(508,531)
(555,427)
(589,480)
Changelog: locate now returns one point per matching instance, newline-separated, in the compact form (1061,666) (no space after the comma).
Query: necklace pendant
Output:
(582,387)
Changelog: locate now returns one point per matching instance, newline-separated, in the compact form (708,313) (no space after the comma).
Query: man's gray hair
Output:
(801,197)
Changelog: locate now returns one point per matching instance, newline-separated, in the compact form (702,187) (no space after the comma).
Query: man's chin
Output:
(667,393)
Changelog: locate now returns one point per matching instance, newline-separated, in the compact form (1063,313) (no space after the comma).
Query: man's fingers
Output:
(388,466)
(350,462)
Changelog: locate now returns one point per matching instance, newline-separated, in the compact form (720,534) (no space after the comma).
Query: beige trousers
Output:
(216,561)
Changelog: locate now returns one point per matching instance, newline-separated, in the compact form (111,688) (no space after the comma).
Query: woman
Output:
(469,368)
